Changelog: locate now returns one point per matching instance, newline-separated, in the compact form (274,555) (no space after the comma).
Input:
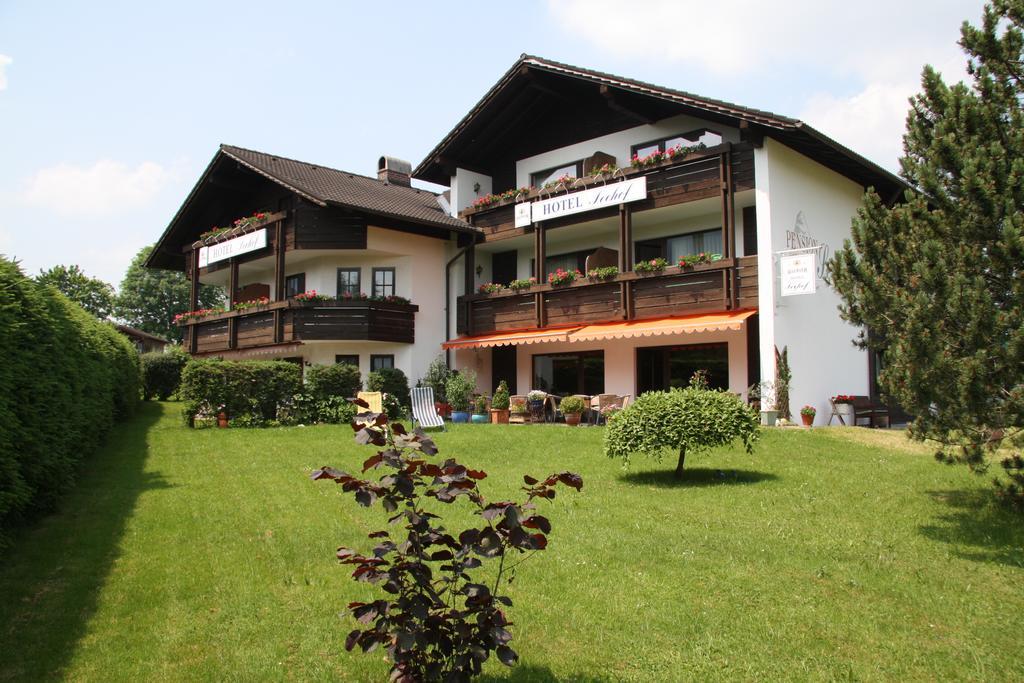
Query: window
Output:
(671,248)
(348,282)
(564,374)
(294,284)
(379,362)
(573,170)
(702,136)
(572,261)
(383,282)
(669,367)
(348,359)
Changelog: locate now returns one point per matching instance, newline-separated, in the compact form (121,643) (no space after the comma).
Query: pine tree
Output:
(937,279)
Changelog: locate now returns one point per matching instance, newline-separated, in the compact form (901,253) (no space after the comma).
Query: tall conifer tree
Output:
(937,279)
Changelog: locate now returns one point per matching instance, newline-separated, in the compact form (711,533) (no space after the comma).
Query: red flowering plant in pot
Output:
(807,414)
(563,277)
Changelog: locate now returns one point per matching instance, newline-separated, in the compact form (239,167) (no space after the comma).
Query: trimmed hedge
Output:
(161,372)
(65,379)
(242,389)
(326,381)
(390,381)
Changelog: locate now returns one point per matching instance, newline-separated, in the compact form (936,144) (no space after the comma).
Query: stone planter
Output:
(768,417)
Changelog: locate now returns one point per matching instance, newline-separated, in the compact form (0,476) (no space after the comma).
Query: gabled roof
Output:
(628,97)
(320,185)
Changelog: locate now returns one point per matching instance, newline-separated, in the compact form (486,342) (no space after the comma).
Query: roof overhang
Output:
(539,105)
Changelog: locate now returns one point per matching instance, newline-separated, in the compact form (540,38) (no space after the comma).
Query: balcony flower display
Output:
(311,295)
(243,222)
(654,265)
(500,197)
(251,303)
(652,159)
(520,285)
(605,273)
(695,259)
(563,277)
(349,296)
(561,180)
(390,299)
(678,153)
(197,314)
(489,288)
(603,169)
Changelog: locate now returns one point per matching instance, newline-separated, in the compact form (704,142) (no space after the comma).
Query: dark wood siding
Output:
(319,227)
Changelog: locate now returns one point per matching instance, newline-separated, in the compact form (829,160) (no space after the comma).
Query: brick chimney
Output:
(394,171)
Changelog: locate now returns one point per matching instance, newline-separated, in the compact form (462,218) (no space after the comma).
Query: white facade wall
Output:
(463,189)
(822,358)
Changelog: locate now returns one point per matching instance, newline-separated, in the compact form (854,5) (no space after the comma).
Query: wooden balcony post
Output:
(193,342)
(470,270)
(539,269)
(625,255)
(279,261)
(723,184)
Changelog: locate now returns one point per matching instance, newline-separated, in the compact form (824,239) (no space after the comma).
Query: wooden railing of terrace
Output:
(301,321)
(729,284)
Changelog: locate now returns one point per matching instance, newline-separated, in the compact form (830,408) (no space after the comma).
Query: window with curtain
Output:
(706,241)
(348,281)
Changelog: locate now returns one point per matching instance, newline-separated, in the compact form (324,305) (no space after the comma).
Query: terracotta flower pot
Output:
(572,419)
(807,419)
(222,420)
(499,417)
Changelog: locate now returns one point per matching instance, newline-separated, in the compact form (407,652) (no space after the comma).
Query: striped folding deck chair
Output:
(423,411)
(374,399)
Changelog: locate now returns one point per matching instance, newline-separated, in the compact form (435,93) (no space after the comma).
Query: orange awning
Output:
(687,324)
(510,338)
(711,322)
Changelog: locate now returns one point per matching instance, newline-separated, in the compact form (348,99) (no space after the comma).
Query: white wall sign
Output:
(799,274)
(522,214)
(587,200)
(233,247)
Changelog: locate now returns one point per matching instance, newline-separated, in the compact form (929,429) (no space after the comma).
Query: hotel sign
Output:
(799,273)
(233,247)
(579,202)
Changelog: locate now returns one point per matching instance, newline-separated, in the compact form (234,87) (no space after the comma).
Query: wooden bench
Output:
(863,408)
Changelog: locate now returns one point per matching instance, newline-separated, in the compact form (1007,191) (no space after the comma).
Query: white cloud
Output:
(105,188)
(5,61)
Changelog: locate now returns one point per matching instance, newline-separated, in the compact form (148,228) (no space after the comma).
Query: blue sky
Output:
(110,111)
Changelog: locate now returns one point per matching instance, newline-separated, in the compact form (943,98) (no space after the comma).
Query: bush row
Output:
(161,372)
(66,377)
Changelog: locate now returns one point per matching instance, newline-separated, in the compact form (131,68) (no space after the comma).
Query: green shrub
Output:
(254,388)
(65,379)
(500,400)
(459,388)
(390,381)
(340,379)
(304,408)
(688,419)
(437,374)
(161,372)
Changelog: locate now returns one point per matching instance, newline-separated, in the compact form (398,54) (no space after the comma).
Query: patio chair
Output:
(423,411)
(604,401)
(518,418)
(374,399)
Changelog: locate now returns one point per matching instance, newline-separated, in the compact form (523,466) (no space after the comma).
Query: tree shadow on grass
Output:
(985,530)
(55,571)
(525,673)
(696,477)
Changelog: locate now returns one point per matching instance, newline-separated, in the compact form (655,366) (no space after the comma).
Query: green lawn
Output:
(828,554)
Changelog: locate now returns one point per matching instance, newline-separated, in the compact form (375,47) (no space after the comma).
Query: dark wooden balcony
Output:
(286,322)
(729,284)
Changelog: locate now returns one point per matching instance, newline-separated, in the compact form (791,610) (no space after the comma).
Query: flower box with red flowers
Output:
(563,277)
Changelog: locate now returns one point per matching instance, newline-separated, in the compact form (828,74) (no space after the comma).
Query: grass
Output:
(208,555)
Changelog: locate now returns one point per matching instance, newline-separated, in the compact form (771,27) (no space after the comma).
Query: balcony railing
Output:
(296,321)
(724,285)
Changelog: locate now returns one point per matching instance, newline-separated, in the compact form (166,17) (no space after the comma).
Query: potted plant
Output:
(572,407)
(480,410)
(536,399)
(518,410)
(500,405)
(458,389)
(807,414)
(222,418)
(844,408)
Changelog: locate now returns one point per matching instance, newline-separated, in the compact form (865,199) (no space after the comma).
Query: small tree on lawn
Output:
(938,277)
(684,420)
